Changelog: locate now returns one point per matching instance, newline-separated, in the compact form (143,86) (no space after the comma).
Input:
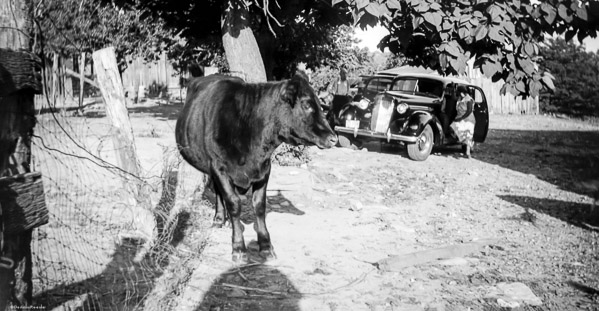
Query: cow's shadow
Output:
(257,287)
(276,203)
(577,214)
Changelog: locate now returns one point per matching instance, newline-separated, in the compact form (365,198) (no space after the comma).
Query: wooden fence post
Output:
(111,87)
(55,85)
(81,81)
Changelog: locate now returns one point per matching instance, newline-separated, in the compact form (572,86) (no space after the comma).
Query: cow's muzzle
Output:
(329,142)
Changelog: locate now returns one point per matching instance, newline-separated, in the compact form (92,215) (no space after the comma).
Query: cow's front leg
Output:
(230,197)
(259,204)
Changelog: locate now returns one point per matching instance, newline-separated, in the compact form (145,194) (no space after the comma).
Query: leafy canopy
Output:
(502,36)
(287,32)
(71,27)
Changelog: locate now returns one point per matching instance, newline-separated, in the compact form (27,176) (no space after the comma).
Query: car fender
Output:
(418,121)
(347,109)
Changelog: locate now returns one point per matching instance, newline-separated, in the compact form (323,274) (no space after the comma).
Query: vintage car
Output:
(410,113)
(369,88)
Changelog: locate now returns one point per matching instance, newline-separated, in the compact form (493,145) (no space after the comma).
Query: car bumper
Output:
(388,136)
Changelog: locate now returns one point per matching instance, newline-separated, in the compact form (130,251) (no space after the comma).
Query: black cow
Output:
(229,130)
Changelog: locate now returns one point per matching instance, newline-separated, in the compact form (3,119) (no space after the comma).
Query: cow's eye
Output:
(306,105)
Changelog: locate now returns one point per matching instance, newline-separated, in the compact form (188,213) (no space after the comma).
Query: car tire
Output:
(421,149)
(345,141)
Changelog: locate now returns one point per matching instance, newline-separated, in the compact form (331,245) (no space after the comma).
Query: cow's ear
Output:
(300,74)
(289,94)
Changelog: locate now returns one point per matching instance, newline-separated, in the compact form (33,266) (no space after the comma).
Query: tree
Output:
(502,36)
(397,60)
(576,75)
(71,27)
(280,28)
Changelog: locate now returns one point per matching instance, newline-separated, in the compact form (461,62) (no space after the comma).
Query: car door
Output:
(481,114)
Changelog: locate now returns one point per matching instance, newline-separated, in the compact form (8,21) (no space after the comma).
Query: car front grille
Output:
(381,114)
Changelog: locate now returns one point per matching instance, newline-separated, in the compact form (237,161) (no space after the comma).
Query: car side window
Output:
(478,97)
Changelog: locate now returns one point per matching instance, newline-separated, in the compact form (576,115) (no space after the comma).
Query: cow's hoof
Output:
(268,254)
(220,224)
(240,258)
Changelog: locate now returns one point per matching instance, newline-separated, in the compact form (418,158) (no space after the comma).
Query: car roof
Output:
(404,70)
(436,76)
(419,72)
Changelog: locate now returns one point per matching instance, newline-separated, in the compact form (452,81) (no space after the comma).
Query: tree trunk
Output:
(241,49)
(17,120)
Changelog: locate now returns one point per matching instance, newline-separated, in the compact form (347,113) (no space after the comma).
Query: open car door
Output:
(481,114)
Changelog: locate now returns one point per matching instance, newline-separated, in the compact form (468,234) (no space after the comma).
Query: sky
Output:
(372,36)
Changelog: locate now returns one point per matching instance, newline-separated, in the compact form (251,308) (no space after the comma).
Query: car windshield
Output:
(378,84)
(420,86)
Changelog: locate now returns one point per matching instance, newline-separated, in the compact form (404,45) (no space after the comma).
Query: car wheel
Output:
(421,149)
(345,141)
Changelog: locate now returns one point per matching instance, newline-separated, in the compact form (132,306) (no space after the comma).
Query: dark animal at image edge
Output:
(229,130)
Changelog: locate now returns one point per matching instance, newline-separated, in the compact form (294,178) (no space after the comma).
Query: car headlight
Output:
(363,103)
(402,108)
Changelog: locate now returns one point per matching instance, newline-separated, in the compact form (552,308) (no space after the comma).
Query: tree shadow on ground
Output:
(454,151)
(577,214)
(254,287)
(168,111)
(127,280)
(562,158)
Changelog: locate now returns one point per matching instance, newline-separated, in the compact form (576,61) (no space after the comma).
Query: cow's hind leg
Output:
(230,197)
(259,204)
(220,216)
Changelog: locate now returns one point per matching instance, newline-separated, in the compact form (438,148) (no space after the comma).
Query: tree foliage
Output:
(502,36)
(287,32)
(576,75)
(71,27)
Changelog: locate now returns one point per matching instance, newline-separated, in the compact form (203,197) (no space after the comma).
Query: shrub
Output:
(288,155)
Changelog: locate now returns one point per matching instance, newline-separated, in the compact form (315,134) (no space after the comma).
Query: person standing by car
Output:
(340,91)
(341,86)
(463,125)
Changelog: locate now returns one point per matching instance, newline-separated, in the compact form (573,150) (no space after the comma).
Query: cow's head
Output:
(303,122)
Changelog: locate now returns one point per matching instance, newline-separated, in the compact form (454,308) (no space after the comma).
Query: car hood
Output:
(413,99)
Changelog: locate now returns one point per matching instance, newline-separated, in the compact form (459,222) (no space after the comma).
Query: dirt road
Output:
(514,228)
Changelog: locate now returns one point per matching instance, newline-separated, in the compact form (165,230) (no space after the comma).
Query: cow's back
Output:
(197,122)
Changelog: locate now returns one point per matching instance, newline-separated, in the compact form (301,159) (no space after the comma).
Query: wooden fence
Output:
(502,104)
(140,76)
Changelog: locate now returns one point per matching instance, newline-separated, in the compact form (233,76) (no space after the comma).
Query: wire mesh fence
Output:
(94,254)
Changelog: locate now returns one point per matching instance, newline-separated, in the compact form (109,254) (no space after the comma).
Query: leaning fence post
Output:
(111,87)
